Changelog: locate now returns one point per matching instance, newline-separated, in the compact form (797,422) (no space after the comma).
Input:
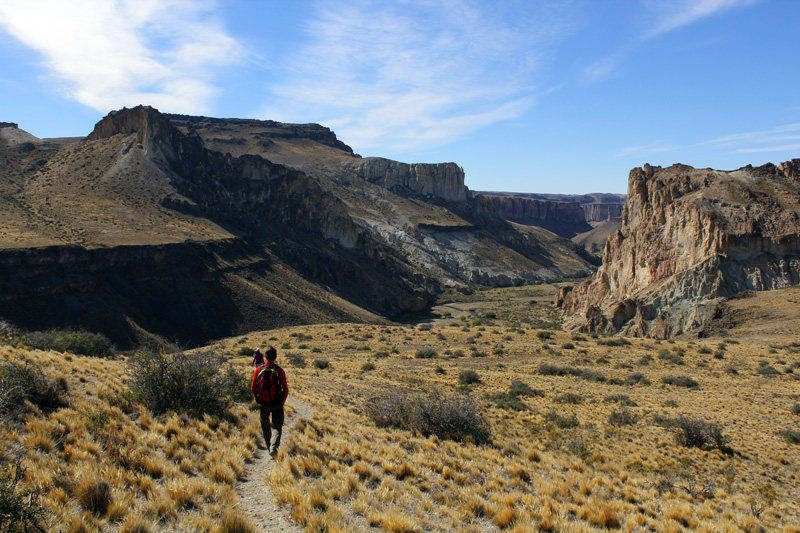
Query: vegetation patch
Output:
(680,381)
(449,416)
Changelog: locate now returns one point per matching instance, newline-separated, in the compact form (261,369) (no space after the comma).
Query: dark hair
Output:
(272,353)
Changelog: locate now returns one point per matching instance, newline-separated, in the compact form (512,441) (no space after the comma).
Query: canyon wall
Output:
(690,238)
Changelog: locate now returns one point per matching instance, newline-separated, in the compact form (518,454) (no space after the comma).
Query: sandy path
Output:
(255,497)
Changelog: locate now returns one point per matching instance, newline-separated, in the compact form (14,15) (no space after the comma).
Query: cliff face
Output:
(597,213)
(688,239)
(562,218)
(440,180)
(204,228)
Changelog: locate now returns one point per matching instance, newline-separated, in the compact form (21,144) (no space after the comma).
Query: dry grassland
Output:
(104,463)
(590,443)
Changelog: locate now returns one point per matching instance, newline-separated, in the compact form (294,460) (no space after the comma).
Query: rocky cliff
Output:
(597,213)
(274,223)
(690,238)
(562,218)
(440,180)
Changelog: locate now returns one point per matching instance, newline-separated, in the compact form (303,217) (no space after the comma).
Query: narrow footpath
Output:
(255,496)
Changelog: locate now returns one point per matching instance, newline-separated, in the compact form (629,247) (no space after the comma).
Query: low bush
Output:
(449,416)
(20,507)
(792,436)
(698,433)
(179,381)
(680,381)
(616,341)
(518,388)
(764,369)
(296,360)
(548,369)
(75,342)
(237,385)
(381,354)
(562,421)
(366,367)
(636,378)
(622,399)
(568,397)
(20,382)
(425,353)
(468,377)
(623,417)
(567,346)
(244,351)
(670,357)
(545,335)
(504,400)
(796,408)
(321,364)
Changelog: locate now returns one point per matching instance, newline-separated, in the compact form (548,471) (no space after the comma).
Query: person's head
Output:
(272,354)
(258,350)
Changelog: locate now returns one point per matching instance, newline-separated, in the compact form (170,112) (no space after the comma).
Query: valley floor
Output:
(584,432)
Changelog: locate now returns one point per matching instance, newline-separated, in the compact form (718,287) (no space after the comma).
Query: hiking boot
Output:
(273,452)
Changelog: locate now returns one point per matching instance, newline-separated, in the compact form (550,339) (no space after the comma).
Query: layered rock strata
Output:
(690,238)
(562,218)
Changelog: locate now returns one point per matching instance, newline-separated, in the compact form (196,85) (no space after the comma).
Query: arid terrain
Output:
(583,431)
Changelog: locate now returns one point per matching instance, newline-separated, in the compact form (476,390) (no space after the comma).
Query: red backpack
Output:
(268,389)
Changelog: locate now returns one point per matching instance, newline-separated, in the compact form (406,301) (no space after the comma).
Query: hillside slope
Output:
(146,227)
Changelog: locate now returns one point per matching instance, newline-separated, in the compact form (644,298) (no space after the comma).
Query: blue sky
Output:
(527,95)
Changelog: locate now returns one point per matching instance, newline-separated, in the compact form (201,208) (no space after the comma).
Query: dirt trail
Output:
(255,497)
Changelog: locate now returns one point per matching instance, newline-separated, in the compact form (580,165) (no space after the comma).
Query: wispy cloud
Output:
(113,53)
(660,18)
(772,140)
(649,149)
(402,75)
(670,16)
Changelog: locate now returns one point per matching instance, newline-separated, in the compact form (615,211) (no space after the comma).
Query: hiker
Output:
(270,390)
(258,358)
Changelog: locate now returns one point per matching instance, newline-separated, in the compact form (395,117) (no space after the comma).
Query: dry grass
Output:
(339,472)
(106,464)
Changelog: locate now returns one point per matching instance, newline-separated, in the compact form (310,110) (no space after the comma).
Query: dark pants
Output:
(275,412)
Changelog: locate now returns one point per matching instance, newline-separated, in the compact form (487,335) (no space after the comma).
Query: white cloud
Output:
(638,151)
(744,142)
(401,75)
(673,15)
(114,53)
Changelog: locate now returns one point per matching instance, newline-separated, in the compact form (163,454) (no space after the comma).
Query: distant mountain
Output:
(690,238)
(194,228)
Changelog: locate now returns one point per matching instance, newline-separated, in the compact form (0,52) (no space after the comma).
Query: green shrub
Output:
(75,342)
(20,382)
(623,417)
(668,356)
(792,436)
(765,369)
(503,400)
(561,421)
(296,360)
(20,507)
(454,416)
(617,341)
(321,364)
(244,351)
(796,408)
(568,397)
(425,353)
(366,367)
(636,378)
(544,335)
(567,346)
(622,399)
(519,388)
(179,381)
(698,433)
(468,377)
(237,385)
(381,355)
(680,381)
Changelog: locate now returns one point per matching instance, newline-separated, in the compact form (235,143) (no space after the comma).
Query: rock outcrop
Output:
(689,239)
(566,219)
(440,180)
(128,229)
(597,213)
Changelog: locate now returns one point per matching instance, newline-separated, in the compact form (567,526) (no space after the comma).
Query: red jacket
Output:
(281,377)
